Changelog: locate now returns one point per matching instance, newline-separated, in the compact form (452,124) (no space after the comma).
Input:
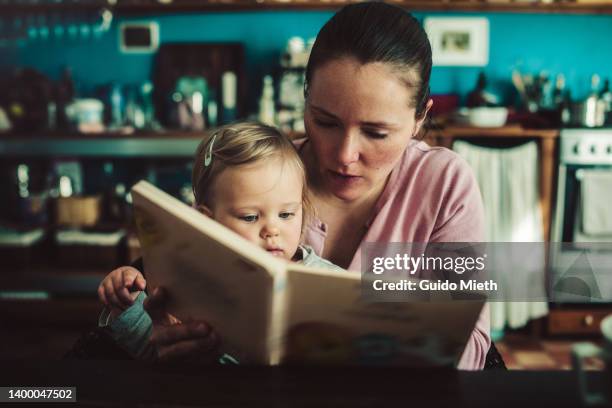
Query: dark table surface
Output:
(124,383)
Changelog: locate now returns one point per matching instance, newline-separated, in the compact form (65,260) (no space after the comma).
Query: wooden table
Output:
(114,383)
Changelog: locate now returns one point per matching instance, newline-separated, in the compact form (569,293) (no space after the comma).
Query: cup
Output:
(580,351)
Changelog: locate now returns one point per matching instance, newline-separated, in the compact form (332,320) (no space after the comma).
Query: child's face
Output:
(262,202)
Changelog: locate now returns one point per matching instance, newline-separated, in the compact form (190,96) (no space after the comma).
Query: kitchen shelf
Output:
(154,145)
(146,6)
(510,131)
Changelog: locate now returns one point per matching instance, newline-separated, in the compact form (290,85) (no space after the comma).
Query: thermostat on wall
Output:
(138,37)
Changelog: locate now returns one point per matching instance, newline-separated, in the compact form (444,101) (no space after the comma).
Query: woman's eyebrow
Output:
(323,111)
(384,125)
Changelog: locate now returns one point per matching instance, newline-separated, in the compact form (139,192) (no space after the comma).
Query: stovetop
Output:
(586,146)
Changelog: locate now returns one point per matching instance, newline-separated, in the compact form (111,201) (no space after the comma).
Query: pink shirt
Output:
(431,196)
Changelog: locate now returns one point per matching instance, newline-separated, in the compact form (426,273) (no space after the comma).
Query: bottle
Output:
(266,102)
(557,96)
(64,94)
(212,110)
(117,106)
(590,115)
(479,96)
(605,99)
(566,108)
(228,97)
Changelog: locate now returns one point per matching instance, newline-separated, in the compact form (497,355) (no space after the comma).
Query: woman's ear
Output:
(421,120)
(204,210)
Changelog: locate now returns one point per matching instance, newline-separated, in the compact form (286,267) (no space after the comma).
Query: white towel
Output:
(596,197)
(508,181)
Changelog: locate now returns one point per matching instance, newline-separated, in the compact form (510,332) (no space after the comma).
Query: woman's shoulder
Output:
(433,164)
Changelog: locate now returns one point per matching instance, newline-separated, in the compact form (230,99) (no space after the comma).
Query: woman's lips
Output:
(343,179)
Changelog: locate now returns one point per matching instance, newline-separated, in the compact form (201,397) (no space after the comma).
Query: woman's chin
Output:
(347,193)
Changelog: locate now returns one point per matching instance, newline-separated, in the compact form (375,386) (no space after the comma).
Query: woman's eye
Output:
(249,218)
(324,123)
(286,215)
(374,134)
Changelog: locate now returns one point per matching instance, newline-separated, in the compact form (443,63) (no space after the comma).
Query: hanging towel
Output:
(508,181)
(595,198)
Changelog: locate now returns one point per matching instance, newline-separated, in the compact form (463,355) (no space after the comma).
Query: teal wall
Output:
(576,45)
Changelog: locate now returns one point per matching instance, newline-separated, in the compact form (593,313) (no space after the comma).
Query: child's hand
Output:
(121,287)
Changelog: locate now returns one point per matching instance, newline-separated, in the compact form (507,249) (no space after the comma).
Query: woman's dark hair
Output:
(376,32)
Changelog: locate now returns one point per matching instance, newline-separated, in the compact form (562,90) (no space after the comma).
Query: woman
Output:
(367,97)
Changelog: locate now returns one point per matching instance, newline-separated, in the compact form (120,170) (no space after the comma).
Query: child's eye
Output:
(286,215)
(249,218)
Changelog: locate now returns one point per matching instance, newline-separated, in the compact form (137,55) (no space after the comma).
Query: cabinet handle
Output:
(588,320)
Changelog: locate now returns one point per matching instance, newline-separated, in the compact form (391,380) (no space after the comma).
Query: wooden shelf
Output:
(158,145)
(511,131)
(146,6)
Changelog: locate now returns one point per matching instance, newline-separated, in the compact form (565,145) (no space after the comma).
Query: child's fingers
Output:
(133,279)
(101,295)
(119,288)
(125,297)
(129,275)
(111,296)
(140,282)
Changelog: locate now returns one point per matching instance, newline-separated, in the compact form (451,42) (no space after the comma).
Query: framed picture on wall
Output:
(458,41)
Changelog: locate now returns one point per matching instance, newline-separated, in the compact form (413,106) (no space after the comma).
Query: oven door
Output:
(584,204)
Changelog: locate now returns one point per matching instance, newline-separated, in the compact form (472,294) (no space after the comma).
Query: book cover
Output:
(269,311)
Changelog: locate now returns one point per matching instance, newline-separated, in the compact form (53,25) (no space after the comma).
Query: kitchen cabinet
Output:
(149,153)
(547,143)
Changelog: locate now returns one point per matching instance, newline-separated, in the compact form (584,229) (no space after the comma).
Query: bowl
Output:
(485,116)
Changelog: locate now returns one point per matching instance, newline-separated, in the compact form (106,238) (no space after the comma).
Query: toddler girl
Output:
(248,177)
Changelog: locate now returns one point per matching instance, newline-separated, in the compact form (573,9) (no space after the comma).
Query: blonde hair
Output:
(242,143)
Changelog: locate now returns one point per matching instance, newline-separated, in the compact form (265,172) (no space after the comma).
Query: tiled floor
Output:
(522,352)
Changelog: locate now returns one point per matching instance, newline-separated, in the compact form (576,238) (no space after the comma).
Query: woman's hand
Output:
(121,287)
(191,341)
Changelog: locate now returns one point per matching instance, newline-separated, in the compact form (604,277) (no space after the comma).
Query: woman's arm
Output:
(461,219)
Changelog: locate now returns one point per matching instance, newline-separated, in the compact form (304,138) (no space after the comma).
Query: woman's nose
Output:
(348,151)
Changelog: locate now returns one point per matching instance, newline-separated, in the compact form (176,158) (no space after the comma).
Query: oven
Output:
(582,153)
(582,231)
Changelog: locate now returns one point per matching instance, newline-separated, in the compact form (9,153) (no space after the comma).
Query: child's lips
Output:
(276,251)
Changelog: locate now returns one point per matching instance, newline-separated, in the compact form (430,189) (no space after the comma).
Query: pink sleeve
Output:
(461,219)
(476,349)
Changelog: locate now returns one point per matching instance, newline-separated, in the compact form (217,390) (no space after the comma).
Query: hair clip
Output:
(208,155)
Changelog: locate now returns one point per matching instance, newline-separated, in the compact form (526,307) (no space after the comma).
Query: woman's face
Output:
(359,119)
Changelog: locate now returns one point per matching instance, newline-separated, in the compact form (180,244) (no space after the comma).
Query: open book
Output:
(269,311)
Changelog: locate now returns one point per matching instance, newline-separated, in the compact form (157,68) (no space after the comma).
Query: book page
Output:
(327,322)
(226,283)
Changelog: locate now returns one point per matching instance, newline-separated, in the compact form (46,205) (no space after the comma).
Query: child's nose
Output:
(269,231)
